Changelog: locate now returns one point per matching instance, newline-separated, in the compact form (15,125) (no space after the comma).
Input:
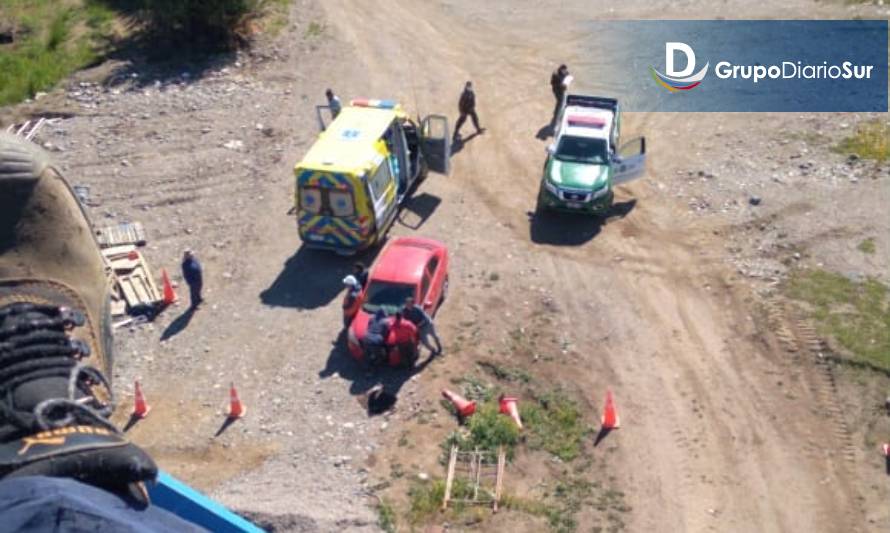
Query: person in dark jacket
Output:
(424,323)
(467,106)
(333,103)
(558,86)
(361,274)
(191,271)
(375,337)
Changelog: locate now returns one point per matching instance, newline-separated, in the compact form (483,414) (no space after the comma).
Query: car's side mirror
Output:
(551,148)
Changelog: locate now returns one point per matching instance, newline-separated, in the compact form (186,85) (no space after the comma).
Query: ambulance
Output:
(364,165)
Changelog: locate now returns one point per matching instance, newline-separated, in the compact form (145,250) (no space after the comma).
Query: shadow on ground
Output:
(179,324)
(142,55)
(545,132)
(363,379)
(312,278)
(458,143)
(569,229)
(418,210)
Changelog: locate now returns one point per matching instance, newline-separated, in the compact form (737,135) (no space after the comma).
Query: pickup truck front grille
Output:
(574,195)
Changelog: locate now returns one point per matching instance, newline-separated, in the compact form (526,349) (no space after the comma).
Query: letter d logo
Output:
(670,50)
(679,80)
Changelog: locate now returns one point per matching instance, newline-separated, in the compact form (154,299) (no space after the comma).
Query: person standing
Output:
(352,302)
(558,86)
(466,105)
(403,337)
(360,272)
(375,338)
(334,103)
(194,277)
(424,322)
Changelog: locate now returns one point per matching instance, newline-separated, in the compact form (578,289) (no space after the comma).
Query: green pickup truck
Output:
(583,164)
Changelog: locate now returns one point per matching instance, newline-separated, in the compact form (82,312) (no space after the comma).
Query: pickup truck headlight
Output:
(602,192)
(551,187)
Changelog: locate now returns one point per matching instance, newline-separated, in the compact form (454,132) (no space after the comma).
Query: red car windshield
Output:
(387,296)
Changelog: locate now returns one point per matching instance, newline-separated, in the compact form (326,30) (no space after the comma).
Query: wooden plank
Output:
(478,459)
(450,477)
(129,294)
(122,265)
(499,483)
(126,233)
(114,252)
(134,278)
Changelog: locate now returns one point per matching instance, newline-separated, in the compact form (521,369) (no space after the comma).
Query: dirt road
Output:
(722,429)
(711,442)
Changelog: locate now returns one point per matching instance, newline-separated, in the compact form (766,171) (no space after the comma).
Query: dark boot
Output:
(55,334)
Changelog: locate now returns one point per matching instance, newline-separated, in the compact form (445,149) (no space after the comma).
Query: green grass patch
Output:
(315,29)
(569,496)
(426,502)
(53,39)
(487,429)
(555,424)
(867,246)
(504,373)
(386,517)
(870,141)
(273,15)
(472,388)
(856,314)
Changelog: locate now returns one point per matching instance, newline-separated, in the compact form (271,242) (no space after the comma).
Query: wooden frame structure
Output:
(477,468)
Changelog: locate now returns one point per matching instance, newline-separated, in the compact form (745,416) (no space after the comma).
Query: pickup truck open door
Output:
(325,116)
(435,143)
(630,162)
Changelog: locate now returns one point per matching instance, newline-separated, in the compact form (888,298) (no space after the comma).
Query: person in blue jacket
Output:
(191,271)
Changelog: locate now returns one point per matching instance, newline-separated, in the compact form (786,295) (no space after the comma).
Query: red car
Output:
(407,266)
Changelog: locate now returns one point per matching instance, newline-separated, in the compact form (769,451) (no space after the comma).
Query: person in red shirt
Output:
(403,337)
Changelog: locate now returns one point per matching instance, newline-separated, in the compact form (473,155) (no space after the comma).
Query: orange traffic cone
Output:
(141,408)
(169,295)
(508,407)
(236,408)
(464,407)
(610,415)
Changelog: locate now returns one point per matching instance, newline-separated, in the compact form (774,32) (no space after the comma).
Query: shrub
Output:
(206,24)
(870,141)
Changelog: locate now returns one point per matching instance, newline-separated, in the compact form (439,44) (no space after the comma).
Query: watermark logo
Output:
(682,80)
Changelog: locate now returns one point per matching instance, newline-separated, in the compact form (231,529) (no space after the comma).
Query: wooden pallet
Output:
(476,468)
(135,286)
(126,233)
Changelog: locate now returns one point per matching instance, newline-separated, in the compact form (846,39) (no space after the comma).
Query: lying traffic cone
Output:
(464,407)
(169,295)
(610,415)
(236,408)
(141,408)
(508,407)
